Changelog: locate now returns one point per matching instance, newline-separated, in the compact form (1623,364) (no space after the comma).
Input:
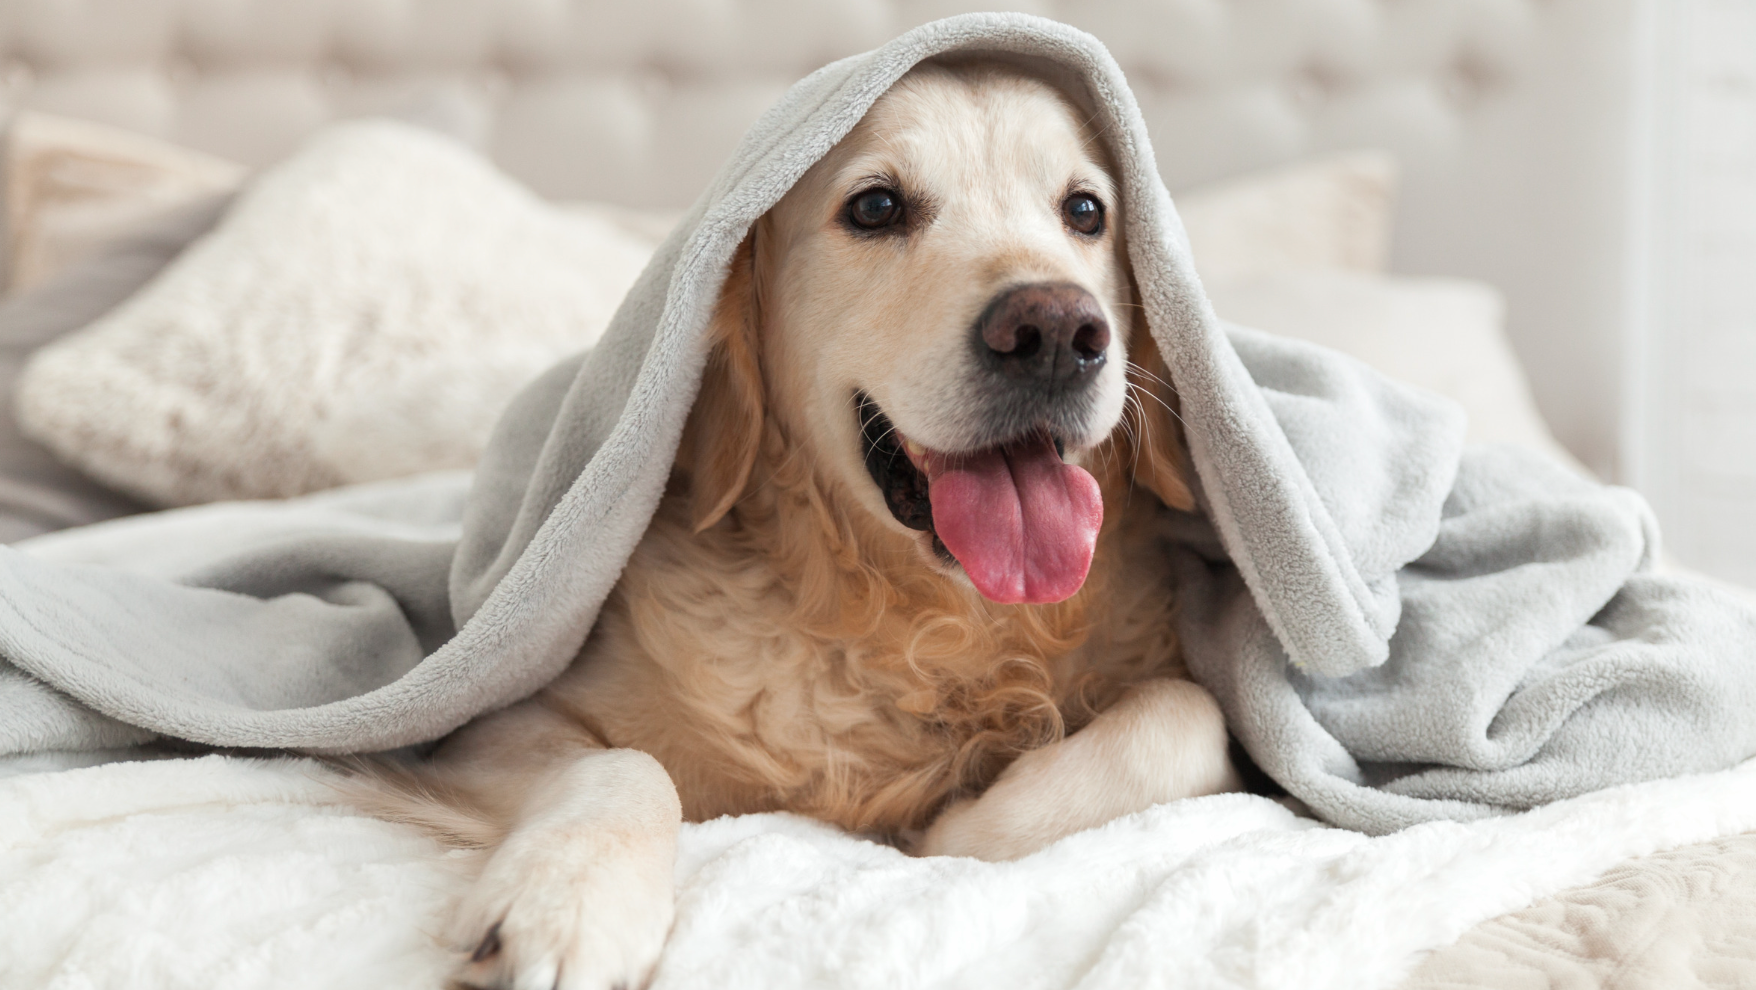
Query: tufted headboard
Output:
(1511,117)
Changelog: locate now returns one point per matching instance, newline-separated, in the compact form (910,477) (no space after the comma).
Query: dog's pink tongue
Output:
(1021,521)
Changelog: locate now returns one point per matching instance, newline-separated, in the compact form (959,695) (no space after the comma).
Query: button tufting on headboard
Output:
(1282,66)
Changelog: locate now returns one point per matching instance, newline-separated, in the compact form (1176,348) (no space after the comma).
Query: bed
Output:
(241,870)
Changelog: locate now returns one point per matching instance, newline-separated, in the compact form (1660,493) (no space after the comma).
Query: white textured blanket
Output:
(234,873)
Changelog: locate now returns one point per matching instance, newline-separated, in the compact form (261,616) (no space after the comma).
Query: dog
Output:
(902,578)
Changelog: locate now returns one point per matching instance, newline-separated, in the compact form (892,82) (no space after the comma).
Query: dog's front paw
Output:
(556,910)
(997,826)
(1165,740)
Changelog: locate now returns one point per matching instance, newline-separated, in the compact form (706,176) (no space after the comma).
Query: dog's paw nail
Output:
(490,945)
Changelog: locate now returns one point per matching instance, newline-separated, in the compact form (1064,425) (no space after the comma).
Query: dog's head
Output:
(939,315)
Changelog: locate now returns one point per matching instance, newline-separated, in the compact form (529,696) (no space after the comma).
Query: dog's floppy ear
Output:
(1159,458)
(725,427)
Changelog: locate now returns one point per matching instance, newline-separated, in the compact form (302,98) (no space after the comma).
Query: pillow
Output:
(1331,213)
(1438,333)
(72,187)
(38,493)
(93,213)
(364,311)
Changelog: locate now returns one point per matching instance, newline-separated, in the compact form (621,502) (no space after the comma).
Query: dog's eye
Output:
(1084,213)
(875,208)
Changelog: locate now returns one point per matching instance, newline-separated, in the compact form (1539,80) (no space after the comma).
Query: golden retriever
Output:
(903,579)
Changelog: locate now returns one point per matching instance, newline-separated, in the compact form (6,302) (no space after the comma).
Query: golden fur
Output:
(778,641)
(778,649)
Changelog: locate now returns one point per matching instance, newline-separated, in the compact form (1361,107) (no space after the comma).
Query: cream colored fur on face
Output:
(779,642)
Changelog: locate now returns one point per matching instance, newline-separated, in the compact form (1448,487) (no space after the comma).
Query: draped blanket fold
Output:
(1399,630)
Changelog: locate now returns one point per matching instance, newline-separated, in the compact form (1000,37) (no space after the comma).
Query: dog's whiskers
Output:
(1147,391)
(1139,431)
(1140,370)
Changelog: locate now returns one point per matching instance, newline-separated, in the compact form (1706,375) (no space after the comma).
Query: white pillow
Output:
(364,311)
(1439,333)
(1329,213)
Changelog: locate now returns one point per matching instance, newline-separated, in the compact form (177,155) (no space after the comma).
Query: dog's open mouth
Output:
(1022,522)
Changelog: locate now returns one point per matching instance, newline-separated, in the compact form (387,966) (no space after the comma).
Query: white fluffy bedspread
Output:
(226,872)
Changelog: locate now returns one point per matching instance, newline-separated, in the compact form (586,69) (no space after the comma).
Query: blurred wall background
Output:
(1689,402)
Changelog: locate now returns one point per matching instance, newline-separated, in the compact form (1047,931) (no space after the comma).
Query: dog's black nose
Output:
(1053,333)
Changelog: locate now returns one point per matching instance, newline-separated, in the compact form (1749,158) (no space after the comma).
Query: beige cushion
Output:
(38,493)
(73,187)
(363,311)
(1330,213)
(1441,334)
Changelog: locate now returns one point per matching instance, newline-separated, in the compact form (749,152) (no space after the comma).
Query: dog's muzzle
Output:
(1036,352)
(1043,337)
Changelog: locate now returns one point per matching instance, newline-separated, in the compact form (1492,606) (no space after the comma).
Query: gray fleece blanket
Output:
(1399,630)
